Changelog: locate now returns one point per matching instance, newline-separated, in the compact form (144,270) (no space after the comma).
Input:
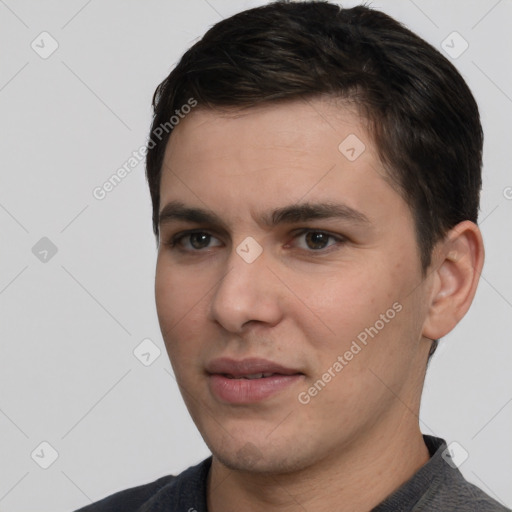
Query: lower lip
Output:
(246,391)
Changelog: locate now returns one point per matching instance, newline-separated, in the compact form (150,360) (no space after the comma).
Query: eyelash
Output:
(174,241)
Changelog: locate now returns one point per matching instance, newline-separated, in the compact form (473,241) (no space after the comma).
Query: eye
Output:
(197,240)
(317,240)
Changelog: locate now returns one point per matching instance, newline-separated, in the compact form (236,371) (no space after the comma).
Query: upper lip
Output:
(248,366)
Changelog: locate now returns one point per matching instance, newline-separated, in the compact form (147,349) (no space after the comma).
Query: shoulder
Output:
(161,494)
(129,500)
(458,494)
(451,491)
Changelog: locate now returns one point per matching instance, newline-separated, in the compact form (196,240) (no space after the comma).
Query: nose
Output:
(248,292)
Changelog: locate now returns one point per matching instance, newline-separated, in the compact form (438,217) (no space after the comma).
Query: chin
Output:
(268,460)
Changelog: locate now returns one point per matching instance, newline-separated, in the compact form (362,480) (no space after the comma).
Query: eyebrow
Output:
(294,213)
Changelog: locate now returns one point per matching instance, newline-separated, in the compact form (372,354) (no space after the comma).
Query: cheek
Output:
(177,290)
(166,298)
(175,299)
(348,301)
(363,316)
(182,300)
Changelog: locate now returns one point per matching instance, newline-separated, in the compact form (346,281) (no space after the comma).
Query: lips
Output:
(252,376)
(249,380)
(248,368)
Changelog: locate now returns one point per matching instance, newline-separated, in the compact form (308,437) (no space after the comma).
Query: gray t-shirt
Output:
(437,486)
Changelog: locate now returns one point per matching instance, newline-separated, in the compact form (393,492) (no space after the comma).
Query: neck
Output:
(357,479)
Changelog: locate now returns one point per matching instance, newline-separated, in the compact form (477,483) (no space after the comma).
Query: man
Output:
(315,176)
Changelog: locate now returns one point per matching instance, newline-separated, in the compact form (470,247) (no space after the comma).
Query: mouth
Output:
(252,368)
(249,380)
(253,376)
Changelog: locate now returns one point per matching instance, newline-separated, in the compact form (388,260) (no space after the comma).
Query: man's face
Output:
(320,290)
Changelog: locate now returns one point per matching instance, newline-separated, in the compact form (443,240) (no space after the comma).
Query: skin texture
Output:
(302,303)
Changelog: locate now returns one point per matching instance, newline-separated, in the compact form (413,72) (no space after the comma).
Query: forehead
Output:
(300,126)
(314,149)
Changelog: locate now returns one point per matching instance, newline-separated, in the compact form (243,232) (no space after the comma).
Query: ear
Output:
(457,264)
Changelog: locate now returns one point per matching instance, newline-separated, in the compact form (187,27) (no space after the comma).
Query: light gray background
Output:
(68,326)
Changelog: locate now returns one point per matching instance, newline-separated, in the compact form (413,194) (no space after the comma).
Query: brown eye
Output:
(192,241)
(199,240)
(317,239)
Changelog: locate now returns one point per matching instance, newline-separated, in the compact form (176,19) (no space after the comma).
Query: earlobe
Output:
(459,261)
